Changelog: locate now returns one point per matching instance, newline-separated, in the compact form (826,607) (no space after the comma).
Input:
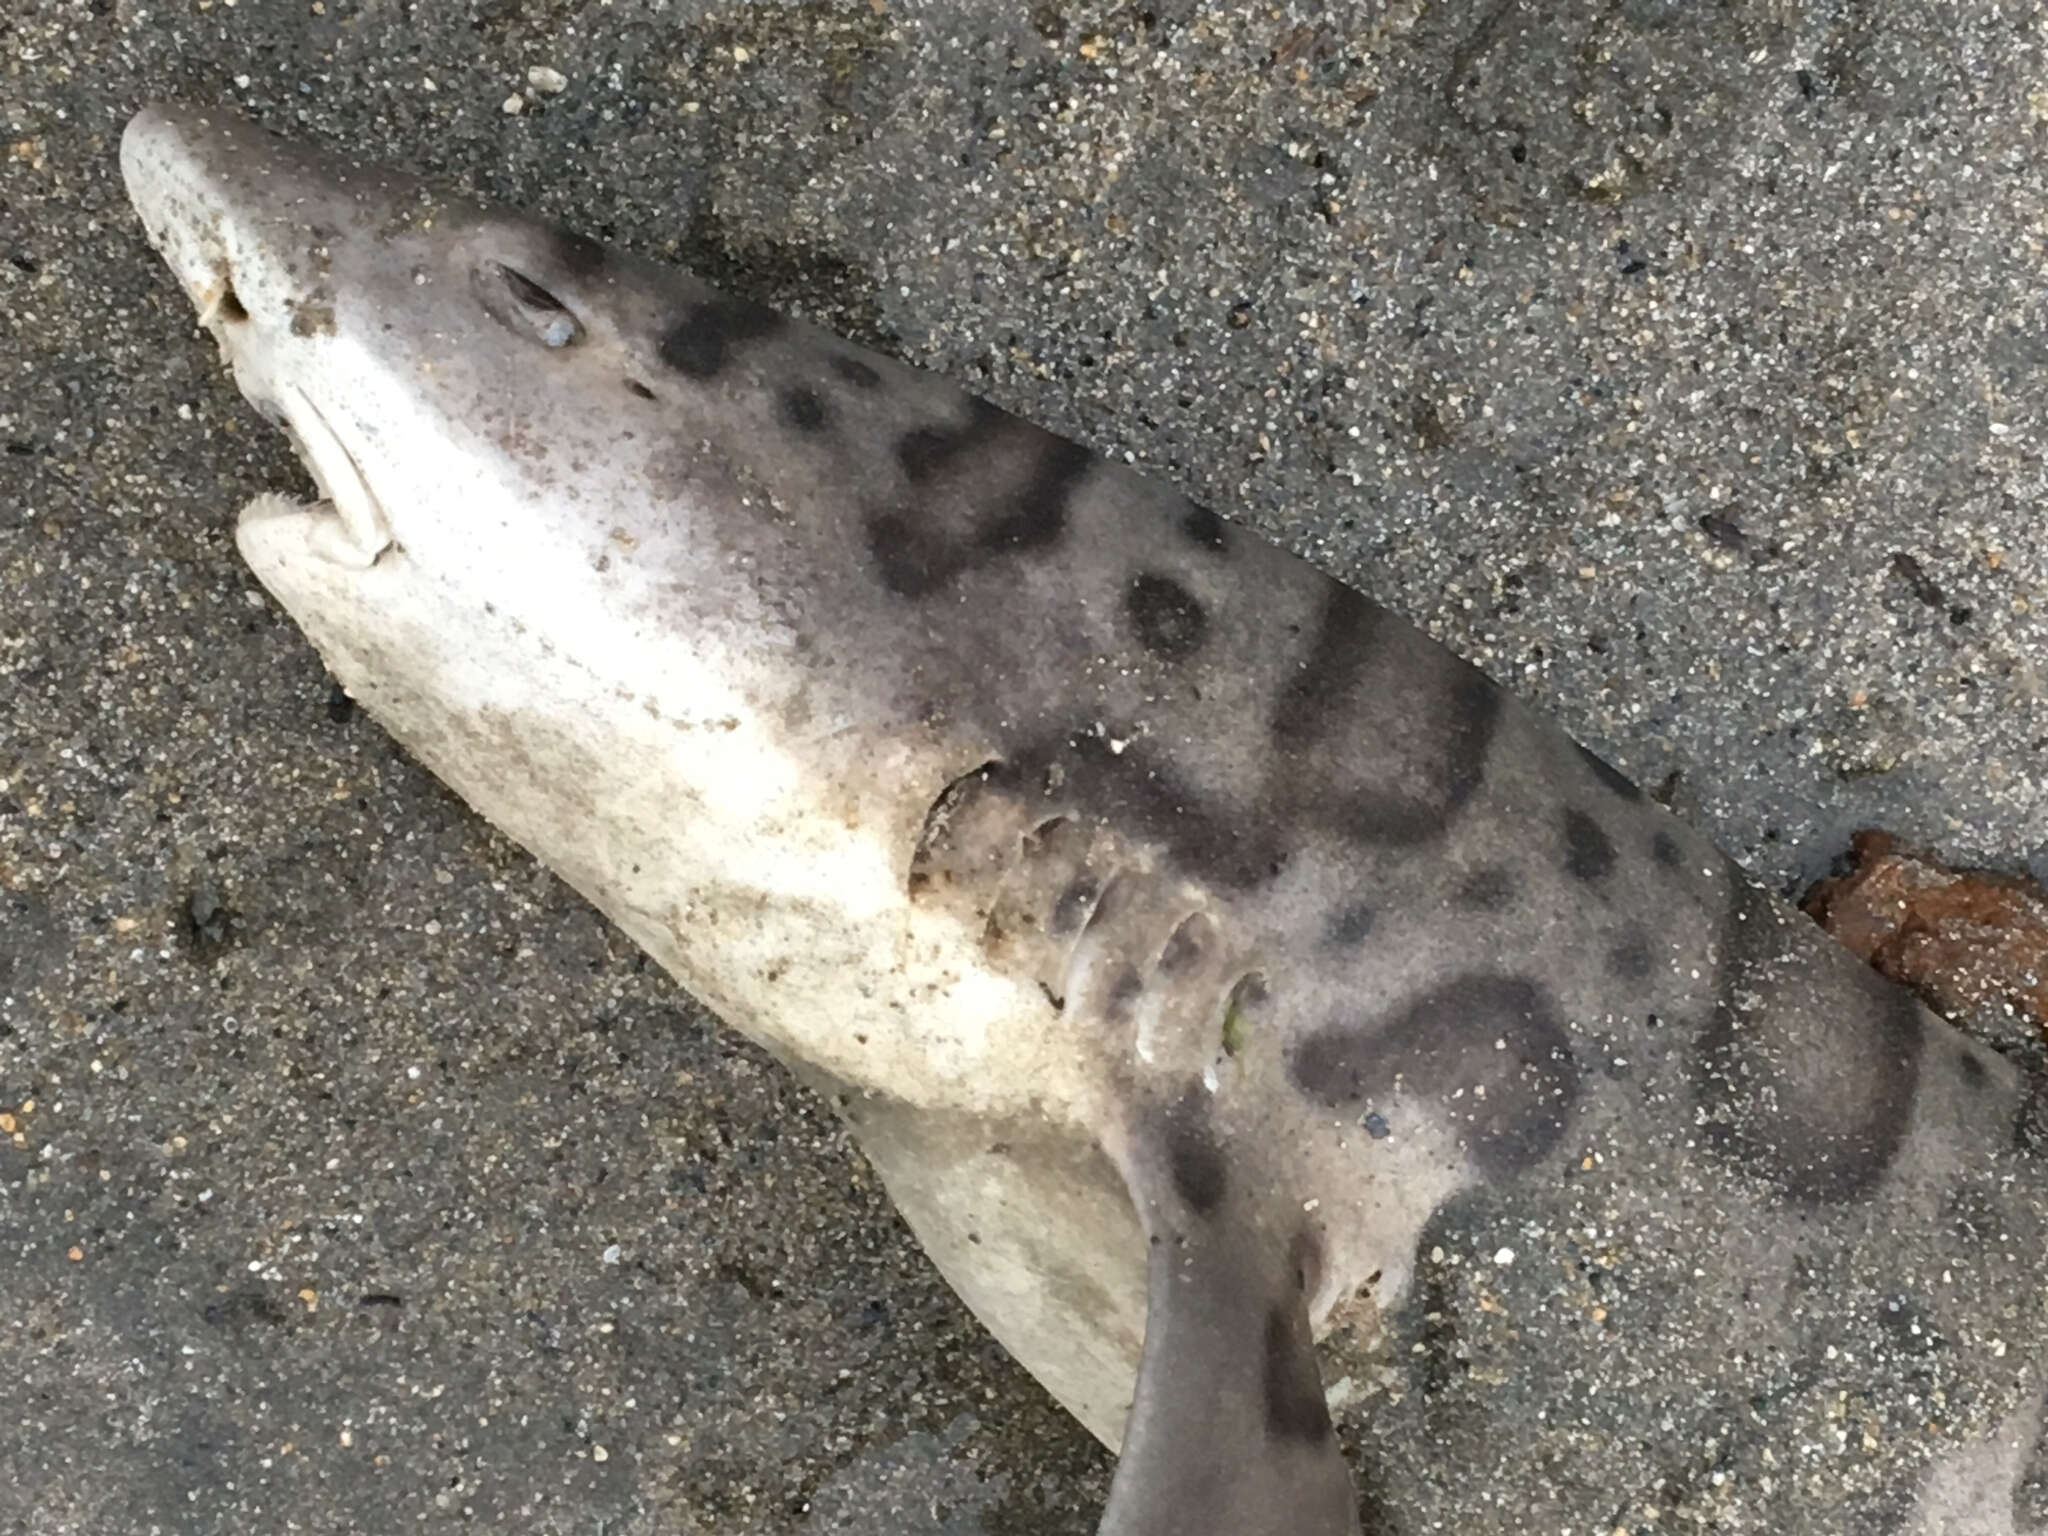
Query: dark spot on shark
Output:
(910,564)
(1351,925)
(1295,1406)
(577,255)
(802,408)
(1664,849)
(1588,851)
(1205,528)
(1039,517)
(1194,1158)
(1488,1050)
(1316,697)
(1389,729)
(923,452)
(1630,958)
(856,372)
(948,523)
(636,388)
(926,453)
(1139,789)
(700,345)
(1486,890)
(1974,1073)
(1610,775)
(1036,515)
(1168,620)
(1803,1084)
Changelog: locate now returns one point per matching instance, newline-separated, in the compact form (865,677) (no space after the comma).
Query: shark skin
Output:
(1234,990)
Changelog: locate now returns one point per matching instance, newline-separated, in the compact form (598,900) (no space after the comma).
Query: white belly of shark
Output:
(649,772)
(1205,959)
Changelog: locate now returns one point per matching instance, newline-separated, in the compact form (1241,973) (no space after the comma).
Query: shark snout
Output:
(216,208)
(246,222)
(171,161)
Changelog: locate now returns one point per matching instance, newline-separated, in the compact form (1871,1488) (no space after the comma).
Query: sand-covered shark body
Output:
(1207,960)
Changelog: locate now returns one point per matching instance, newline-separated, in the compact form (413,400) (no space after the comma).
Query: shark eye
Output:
(520,304)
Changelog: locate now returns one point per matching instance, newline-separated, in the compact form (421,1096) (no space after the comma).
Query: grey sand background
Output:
(1685,366)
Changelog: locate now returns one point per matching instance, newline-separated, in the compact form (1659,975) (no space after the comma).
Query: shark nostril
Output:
(223,303)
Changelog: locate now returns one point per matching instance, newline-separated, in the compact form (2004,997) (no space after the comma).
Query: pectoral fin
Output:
(1229,1433)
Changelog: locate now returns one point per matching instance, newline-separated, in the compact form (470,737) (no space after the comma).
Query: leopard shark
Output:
(1248,1004)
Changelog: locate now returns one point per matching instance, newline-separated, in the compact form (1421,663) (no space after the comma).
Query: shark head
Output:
(416,345)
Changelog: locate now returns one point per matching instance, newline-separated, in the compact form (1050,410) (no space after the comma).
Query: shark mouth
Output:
(357,531)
